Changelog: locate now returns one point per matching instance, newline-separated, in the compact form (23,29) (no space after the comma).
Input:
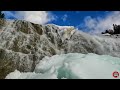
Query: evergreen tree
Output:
(2,15)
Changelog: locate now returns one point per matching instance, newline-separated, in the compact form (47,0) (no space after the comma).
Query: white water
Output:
(72,66)
(56,40)
(77,41)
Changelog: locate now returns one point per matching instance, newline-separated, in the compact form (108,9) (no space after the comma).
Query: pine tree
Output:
(2,20)
(2,15)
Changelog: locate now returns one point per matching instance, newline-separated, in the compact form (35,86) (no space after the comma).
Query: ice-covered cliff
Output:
(23,44)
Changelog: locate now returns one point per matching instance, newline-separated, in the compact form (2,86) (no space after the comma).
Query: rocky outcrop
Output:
(116,30)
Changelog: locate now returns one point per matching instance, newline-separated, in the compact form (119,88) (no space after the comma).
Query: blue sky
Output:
(88,21)
(75,17)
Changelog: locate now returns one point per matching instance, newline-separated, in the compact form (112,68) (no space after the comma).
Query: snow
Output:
(72,66)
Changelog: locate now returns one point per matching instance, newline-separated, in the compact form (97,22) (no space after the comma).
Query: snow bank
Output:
(72,66)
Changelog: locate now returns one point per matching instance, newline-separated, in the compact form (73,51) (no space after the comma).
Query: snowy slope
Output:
(72,66)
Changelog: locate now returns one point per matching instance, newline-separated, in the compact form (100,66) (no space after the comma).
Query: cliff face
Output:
(23,44)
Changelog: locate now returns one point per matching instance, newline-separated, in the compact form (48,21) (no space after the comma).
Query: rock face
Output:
(23,44)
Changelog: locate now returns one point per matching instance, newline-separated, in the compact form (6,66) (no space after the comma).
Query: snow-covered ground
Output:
(72,66)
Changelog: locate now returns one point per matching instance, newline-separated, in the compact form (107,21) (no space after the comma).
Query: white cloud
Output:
(65,27)
(64,18)
(8,14)
(97,25)
(38,17)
